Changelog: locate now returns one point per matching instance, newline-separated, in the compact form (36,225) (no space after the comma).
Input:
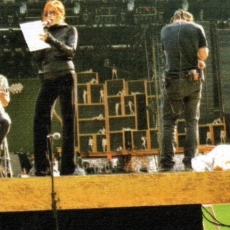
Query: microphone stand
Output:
(53,193)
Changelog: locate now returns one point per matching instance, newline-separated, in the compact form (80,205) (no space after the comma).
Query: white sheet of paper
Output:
(31,31)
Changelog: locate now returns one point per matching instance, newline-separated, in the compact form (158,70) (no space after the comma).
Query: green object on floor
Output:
(222,214)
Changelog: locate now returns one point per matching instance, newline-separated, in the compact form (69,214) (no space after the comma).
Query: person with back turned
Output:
(185,47)
(58,79)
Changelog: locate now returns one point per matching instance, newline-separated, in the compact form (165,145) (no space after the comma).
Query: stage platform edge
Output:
(114,191)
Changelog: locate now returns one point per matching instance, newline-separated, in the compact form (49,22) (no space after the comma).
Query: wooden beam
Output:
(113,191)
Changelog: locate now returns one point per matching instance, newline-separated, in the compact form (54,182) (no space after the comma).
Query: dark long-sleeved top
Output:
(59,58)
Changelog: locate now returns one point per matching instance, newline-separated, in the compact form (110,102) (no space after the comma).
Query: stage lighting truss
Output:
(82,14)
(9,1)
(144,19)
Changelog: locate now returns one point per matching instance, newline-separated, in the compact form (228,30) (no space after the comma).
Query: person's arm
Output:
(69,48)
(5,94)
(4,98)
(202,53)
(203,50)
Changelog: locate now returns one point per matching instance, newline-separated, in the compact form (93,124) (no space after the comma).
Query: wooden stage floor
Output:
(115,191)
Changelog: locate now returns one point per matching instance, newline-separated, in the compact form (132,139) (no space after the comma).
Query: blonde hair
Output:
(182,15)
(57,6)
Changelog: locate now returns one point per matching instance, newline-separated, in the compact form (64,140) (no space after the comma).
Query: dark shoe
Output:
(43,173)
(166,170)
(188,169)
(77,172)
(40,174)
(143,170)
(33,172)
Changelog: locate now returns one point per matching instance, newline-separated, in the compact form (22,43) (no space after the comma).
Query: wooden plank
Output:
(107,191)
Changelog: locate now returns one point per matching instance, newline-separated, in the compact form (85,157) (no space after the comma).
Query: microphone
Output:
(46,23)
(54,136)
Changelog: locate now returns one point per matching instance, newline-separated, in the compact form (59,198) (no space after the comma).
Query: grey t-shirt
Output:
(181,41)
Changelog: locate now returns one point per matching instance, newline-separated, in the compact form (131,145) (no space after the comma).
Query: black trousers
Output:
(5,124)
(180,95)
(64,87)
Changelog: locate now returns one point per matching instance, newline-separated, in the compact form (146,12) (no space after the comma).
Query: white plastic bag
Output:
(216,160)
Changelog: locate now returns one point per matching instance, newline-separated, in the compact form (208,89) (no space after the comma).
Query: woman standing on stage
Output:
(58,79)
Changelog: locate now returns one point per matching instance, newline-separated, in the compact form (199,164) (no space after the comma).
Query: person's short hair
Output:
(57,6)
(182,15)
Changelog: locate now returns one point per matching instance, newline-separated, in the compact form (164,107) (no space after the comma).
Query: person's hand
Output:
(4,98)
(43,37)
(3,94)
(201,64)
